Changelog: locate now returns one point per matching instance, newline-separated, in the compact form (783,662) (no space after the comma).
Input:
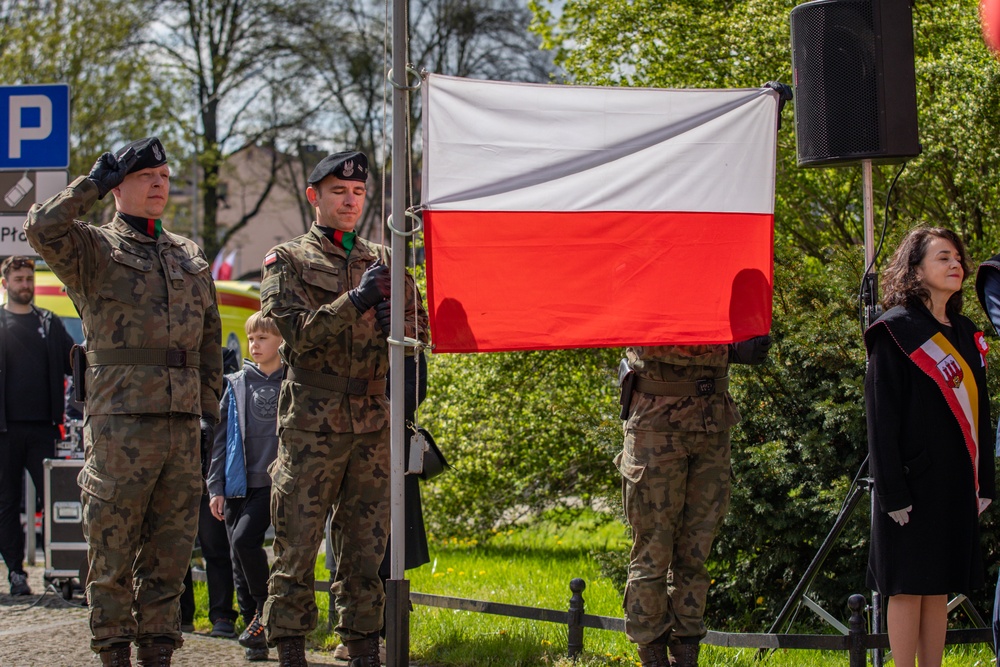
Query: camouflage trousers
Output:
(314,472)
(141,484)
(675,488)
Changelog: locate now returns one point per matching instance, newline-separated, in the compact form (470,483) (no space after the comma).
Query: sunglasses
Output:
(14,263)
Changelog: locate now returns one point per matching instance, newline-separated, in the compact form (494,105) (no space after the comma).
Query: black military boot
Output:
(154,655)
(292,652)
(684,654)
(364,652)
(653,655)
(117,656)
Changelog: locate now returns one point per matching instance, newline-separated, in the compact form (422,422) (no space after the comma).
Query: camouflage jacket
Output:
(304,290)
(681,363)
(134,292)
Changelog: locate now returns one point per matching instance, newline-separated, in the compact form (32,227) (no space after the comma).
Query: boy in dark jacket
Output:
(239,486)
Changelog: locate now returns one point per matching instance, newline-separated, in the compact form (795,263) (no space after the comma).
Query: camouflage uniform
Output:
(675,468)
(141,480)
(333,445)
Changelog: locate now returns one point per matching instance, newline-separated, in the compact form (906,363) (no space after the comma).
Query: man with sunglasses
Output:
(34,360)
(153,383)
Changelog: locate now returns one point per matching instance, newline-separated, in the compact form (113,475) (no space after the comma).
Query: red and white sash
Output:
(942,363)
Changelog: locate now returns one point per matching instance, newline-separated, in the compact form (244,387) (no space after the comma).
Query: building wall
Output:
(280,217)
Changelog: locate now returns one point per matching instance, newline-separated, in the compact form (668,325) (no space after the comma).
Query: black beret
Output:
(149,153)
(347,166)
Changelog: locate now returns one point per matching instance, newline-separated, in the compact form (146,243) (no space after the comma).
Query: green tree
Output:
(525,432)
(803,437)
(95,46)
(246,89)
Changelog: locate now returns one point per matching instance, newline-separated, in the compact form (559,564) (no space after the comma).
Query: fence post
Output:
(859,657)
(575,618)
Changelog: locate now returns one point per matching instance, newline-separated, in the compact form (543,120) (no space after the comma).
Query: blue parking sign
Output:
(34,127)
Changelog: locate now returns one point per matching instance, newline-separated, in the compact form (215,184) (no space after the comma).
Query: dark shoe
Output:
(684,655)
(19,583)
(653,655)
(364,652)
(117,656)
(187,627)
(154,655)
(255,654)
(223,627)
(292,652)
(253,635)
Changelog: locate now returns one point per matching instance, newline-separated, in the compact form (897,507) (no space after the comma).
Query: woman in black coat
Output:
(929,441)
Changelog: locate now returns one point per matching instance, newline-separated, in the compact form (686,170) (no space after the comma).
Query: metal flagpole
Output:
(397,588)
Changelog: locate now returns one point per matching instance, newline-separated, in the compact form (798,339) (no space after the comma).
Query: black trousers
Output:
(23,447)
(214,541)
(247,520)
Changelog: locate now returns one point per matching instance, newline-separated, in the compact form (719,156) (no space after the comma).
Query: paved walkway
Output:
(45,630)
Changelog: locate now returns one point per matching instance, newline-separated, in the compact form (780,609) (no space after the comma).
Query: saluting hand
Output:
(109,171)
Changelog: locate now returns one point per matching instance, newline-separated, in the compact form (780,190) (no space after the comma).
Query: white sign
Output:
(20,189)
(12,238)
(45,185)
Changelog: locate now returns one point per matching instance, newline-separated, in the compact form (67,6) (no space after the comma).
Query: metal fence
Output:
(857,642)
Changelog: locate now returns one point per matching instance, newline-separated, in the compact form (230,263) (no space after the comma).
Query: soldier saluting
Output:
(326,290)
(153,369)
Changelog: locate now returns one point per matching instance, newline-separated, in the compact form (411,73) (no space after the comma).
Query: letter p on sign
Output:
(20,132)
(35,122)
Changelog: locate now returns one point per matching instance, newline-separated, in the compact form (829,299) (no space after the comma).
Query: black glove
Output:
(375,286)
(383,315)
(109,172)
(207,440)
(752,352)
(784,95)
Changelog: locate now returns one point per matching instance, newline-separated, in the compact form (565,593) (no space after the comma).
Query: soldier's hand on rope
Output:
(752,352)
(109,171)
(902,517)
(375,286)
(383,315)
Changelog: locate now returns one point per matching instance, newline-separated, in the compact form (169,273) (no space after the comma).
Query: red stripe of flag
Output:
(514,280)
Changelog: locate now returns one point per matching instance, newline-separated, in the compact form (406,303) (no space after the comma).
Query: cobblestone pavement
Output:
(44,630)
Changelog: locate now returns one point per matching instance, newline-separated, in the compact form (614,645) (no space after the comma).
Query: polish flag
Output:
(572,216)
(222,268)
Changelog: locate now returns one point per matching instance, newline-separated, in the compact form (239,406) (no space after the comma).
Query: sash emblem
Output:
(951,370)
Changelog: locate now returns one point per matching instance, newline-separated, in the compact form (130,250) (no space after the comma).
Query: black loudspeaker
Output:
(855,86)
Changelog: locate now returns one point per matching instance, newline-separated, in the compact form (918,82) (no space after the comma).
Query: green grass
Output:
(532,566)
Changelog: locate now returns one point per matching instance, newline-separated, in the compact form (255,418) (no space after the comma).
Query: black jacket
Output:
(58,342)
(919,457)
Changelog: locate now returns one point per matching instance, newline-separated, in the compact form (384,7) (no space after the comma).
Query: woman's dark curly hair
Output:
(900,283)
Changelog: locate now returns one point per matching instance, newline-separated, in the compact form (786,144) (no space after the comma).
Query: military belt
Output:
(143,357)
(353,386)
(702,387)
